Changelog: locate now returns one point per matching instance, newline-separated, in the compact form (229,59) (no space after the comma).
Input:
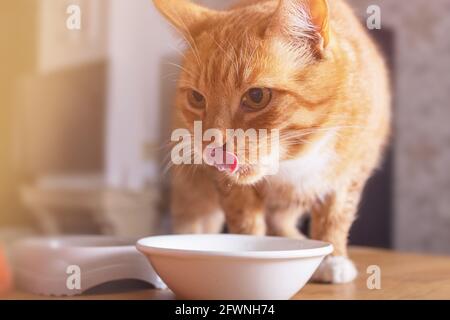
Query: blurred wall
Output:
(52,92)
(17,47)
(59,103)
(59,121)
(61,48)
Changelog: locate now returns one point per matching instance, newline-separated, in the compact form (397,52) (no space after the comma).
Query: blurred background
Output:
(84,117)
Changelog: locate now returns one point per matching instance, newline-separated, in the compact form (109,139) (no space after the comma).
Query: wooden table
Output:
(403,276)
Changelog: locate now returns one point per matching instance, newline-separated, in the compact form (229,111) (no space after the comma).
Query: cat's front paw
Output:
(335,270)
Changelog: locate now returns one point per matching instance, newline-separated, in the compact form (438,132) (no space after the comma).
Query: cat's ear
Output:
(302,19)
(186,16)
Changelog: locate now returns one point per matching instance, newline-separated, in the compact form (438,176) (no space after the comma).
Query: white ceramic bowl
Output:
(233,266)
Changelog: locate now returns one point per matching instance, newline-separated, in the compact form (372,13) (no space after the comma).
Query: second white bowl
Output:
(233,266)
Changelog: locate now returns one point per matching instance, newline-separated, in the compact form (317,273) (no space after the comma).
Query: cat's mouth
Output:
(222,160)
(229,164)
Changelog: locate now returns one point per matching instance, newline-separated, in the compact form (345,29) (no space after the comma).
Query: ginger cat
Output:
(306,68)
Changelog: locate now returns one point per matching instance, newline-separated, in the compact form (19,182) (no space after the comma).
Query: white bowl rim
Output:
(321,248)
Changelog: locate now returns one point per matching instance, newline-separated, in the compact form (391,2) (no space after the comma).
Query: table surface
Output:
(403,276)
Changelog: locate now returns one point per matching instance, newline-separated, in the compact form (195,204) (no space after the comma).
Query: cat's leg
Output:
(283,214)
(284,223)
(195,206)
(244,210)
(192,222)
(331,222)
(283,209)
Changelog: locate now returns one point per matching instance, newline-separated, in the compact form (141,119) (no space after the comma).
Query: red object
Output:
(5,273)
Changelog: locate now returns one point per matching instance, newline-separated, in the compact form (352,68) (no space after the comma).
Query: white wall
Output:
(139,42)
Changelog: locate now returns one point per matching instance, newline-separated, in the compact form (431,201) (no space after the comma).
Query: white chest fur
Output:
(308,173)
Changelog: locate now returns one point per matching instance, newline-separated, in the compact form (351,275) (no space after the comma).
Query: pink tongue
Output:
(222,160)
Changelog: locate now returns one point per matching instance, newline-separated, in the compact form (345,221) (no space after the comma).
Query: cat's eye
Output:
(196,99)
(256,99)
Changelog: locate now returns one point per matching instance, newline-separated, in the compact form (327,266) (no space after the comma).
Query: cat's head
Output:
(266,65)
